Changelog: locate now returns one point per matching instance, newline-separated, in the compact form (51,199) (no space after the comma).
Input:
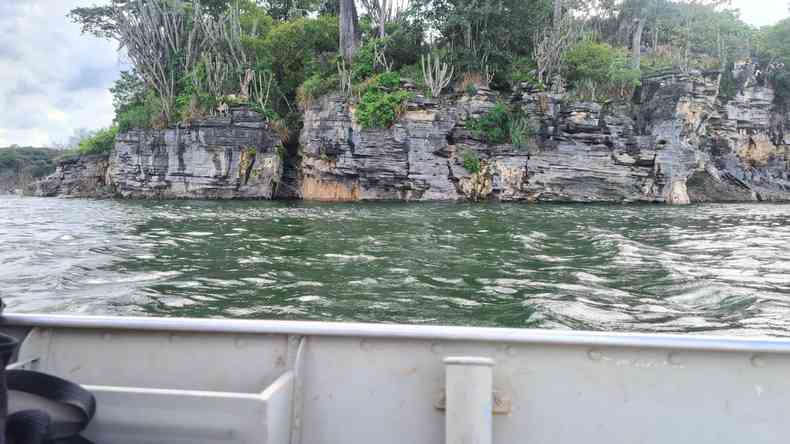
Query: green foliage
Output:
(133,118)
(654,63)
(523,71)
(379,109)
(596,69)
(471,161)
(283,10)
(521,131)
(728,86)
(129,90)
(484,33)
(413,73)
(27,162)
(102,141)
(493,127)
(685,33)
(297,42)
(501,125)
(364,63)
(399,50)
(780,80)
(314,87)
(404,43)
(381,102)
(297,50)
(135,105)
(387,80)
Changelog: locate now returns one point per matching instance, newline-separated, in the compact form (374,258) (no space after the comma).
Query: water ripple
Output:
(721,269)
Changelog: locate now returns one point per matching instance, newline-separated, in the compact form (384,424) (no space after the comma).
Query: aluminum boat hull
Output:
(230,381)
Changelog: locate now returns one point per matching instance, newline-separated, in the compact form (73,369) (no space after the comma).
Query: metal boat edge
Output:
(404,331)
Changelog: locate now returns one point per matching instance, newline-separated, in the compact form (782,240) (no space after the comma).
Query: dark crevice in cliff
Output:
(289,186)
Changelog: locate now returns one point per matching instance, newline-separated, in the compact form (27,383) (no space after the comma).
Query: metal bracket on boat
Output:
(502,402)
(469,384)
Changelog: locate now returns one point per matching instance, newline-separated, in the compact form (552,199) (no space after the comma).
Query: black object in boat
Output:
(37,426)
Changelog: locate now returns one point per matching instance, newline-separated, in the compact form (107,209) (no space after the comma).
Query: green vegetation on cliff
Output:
(98,142)
(194,59)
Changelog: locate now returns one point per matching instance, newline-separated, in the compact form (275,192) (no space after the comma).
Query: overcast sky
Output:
(54,81)
(762,12)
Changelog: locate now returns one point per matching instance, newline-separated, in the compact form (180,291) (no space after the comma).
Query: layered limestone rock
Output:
(747,150)
(80,176)
(420,158)
(235,155)
(678,142)
(577,152)
(586,152)
(716,149)
(224,157)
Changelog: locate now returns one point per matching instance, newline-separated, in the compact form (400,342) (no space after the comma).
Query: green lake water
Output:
(710,268)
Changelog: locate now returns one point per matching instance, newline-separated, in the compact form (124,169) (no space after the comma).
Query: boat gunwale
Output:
(404,331)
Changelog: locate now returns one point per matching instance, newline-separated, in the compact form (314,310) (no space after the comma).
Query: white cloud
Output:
(53,80)
(762,12)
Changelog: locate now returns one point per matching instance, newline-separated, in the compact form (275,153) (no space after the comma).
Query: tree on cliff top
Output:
(349,29)
(218,51)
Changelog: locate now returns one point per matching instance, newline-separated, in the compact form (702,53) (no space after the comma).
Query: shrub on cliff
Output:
(471,161)
(597,70)
(314,87)
(297,50)
(493,127)
(381,102)
(135,106)
(501,125)
(101,141)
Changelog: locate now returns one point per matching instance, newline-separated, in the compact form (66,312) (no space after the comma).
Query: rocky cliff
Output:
(420,158)
(80,176)
(678,141)
(230,156)
(579,152)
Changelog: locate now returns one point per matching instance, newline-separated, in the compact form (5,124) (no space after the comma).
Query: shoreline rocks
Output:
(677,142)
(228,157)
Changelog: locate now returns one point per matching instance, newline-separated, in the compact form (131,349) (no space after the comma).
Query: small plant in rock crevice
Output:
(493,127)
(471,162)
(500,125)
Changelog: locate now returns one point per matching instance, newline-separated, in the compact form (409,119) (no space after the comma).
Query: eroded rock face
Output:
(746,153)
(678,142)
(586,152)
(225,157)
(420,158)
(82,176)
(578,152)
(721,149)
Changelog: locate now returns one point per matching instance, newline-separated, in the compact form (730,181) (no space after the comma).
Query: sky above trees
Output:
(762,12)
(54,81)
